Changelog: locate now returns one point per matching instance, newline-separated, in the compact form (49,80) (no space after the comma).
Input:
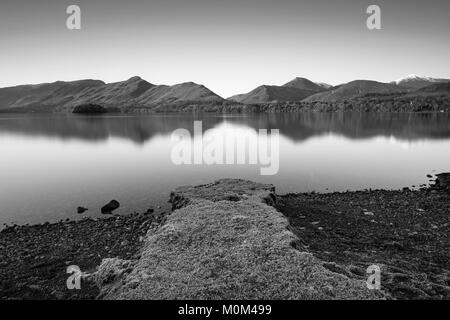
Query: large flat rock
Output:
(225,240)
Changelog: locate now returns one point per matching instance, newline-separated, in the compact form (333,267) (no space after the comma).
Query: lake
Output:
(51,164)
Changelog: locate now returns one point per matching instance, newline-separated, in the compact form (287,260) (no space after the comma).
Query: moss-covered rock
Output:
(224,241)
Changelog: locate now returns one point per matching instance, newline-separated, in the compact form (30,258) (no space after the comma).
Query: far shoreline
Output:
(225,113)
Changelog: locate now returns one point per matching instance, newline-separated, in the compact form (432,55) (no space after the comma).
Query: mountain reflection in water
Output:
(51,164)
(295,126)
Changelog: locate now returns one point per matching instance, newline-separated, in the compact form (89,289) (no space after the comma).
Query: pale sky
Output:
(229,46)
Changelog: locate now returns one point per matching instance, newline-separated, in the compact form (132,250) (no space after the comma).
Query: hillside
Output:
(266,93)
(436,88)
(112,94)
(178,93)
(352,90)
(43,94)
(294,90)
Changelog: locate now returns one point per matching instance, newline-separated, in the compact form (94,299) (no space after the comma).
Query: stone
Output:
(81,210)
(149,211)
(110,207)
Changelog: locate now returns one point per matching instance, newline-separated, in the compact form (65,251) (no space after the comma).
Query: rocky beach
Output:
(327,244)
(405,232)
(35,258)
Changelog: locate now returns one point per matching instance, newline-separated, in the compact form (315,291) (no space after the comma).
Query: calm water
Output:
(49,165)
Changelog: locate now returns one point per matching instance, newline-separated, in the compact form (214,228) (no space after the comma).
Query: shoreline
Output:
(404,231)
(35,258)
(253,110)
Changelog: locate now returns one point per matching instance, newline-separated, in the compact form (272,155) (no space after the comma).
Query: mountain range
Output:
(64,96)
(295,90)
(352,90)
(136,94)
(301,89)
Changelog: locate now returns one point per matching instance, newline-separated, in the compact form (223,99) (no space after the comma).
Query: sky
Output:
(229,46)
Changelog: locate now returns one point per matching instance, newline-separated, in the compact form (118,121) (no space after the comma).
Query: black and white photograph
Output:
(238,151)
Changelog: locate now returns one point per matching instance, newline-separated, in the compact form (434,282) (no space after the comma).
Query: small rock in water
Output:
(110,207)
(81,210)
(368,213)
(149,211)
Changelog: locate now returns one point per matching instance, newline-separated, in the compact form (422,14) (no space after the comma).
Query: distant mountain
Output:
(179,93)
(352,90)
(112,94)
(134,92)
(301,89)
(416,82)
(304,84)
(265,94)
(43,94)
(295,90)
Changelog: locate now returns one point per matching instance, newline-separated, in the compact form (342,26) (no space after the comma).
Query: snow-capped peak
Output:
(414,77)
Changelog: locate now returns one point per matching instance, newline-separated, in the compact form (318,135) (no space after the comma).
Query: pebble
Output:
(81,210)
